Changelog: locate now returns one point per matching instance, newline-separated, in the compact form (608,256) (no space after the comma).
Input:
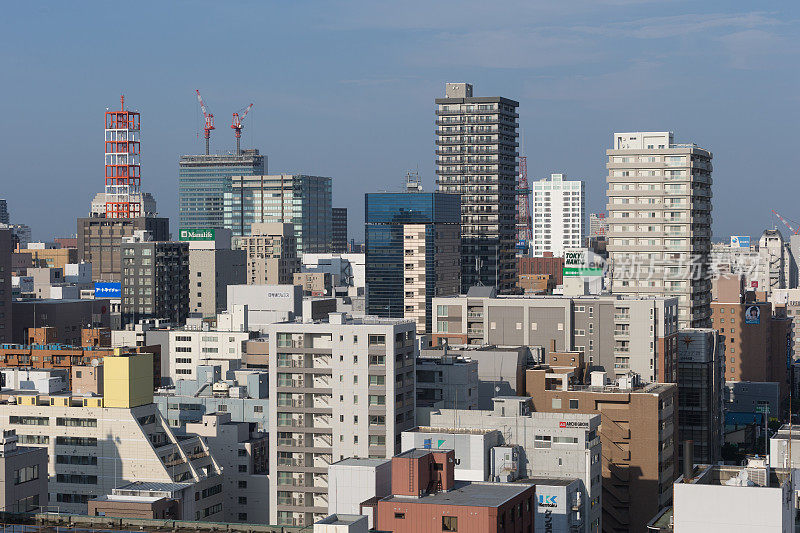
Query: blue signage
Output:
(107,290)
(740,241)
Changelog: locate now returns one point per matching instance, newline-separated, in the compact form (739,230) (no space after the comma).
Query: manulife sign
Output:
(196,235)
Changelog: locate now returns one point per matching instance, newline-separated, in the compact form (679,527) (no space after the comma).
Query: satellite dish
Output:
(95,362)
(12,399)
(497,389)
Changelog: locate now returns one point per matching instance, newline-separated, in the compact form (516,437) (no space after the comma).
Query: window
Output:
(25,474)
(399,516)
(541,441)
(376,399)
(243,484)
(377,440)
(377,380)
(377,340)
(449,523)
(34,439)
(573,404)
(556,403)
(76,441)
(243,468)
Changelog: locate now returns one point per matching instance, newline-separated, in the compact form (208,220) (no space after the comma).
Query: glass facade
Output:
(203,181)
(303,201)
(389,259)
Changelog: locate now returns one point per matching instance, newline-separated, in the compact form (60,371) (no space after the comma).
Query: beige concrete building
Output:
(619,334)
(23,475)
(212,267)
(314,283)
(638,430)
(659,237)
(271,254)
(338,388)
(96,444)
(477,149)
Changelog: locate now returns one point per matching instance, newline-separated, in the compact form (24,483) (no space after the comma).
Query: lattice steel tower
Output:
(123,198)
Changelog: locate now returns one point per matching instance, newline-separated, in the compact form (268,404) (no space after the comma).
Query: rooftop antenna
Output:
(413,181)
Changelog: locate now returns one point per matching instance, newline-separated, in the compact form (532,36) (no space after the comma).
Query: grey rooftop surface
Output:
(479,494)
(357,461)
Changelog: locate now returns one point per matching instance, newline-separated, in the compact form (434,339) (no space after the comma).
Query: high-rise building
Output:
(412,253)
(4,218)
(701,392)
(203,181)
(598,225)
(6,248)
(155,281)
(100,241)
(775,268)
(339,388)
(339,230)
(659,203)
(477,149)
(212,267)
(304,201)
(559,214)
(271,254)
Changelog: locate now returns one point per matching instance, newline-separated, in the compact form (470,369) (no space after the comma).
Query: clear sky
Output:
(346,89)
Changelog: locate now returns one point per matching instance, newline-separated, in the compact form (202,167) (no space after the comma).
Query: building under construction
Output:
(100,235)
(203,181)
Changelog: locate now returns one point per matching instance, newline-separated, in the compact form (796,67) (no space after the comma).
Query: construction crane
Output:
(237,125)
(524,229)
(794,229)
(209,125)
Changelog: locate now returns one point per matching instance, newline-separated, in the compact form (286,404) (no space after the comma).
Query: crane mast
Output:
(209,120)
(237,126)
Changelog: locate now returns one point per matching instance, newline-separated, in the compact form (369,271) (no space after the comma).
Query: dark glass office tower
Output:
(412,252)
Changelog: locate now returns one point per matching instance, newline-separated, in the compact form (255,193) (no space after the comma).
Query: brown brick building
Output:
(757,341)
(426,499)
(638,430)
(552,266)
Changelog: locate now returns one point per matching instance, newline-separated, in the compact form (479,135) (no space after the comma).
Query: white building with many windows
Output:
(338,388)
(559,215)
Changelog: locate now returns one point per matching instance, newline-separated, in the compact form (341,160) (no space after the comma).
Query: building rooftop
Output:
(481,494)
(137,487)
(341,519)
(416,453)
(756,474)
(357,461)
(551,481)
(459,431)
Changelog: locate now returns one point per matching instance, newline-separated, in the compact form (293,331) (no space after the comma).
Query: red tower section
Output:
(123,199)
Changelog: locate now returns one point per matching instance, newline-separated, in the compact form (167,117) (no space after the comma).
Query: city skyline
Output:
(580,72)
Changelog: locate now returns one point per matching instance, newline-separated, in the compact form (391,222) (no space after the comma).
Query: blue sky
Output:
(346,89)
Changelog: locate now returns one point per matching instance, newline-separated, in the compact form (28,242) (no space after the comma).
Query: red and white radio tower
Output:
(524,232)
(123,199)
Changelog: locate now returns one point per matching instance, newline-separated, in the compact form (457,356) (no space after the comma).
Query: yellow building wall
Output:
(128,380)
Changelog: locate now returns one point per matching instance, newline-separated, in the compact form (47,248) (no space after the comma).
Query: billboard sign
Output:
(196,235)
(581,262)
(107,290)
(740,241)
(551,509)
(752,314)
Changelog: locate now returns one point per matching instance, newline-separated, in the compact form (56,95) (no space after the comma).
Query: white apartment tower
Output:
(559,215)
(659,203)
(476,157)
(338,388)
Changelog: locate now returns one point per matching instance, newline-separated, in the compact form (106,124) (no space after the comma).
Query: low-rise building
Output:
(190,348)
(96,444)
(425,497)
(353,481)
(754,497)
(242,394)
(619,334)
(267,304)
(241,450)
(501,369)
(448,381)
(23,475)
(563,445)
(69,317)
(638,431)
